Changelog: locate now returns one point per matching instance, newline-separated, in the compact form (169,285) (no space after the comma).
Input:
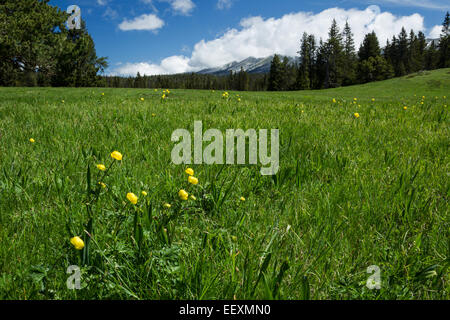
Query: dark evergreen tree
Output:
(275,75)
(334,57)
(350,60)
(444,43)
(370,47)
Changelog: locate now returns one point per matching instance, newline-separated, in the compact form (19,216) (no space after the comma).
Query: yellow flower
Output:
(102,184)
(163,96)
(234,238)
(242,198)
(132,198)
(142,99)
(373,99)
(405,107)
(167,205)
(356,115)
(153,115)
(103,93)
(101,167)
(32,140)
(355,99)
(116,155)
(77,242)
(144,193)
(193,180)
(193,197)
(190,171)
(183,195)
(334,100)
(62,101)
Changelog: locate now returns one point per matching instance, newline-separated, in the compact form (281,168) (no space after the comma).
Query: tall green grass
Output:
(350,193)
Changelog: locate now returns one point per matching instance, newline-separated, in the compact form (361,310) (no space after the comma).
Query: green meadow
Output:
(351,192)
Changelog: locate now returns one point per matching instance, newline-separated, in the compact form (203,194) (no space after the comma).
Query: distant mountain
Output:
(251,65)
(434,41)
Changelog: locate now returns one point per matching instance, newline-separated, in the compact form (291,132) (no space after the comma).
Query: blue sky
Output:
(170,36)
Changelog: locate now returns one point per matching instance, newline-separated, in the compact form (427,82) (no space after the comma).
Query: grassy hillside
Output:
(351,192)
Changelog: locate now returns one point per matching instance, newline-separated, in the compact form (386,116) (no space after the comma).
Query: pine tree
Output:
(370,47)
(350,60)
(335,57)
(303,76)
(444,43)
(275,74)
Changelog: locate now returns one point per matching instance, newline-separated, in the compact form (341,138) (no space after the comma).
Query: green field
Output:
(350,193)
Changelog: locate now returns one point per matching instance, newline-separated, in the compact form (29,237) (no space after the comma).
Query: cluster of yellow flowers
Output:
(225,95)
(192,180)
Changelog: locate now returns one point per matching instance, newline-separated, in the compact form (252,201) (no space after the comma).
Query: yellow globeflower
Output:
(153,115)
(405,107)
(132,198)
(183,195)
(356,115)
(167,205)
(32,140)
(62,101)
(189,171)
(116,155)
(193,197)
(334,100)
(193,180)
(373,99)
(103,93)
(101,167)
(102,185)
(242,198)
(142,99)
(77,242)
(144,193)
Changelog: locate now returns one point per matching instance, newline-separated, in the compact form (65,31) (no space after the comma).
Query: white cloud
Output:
(144,22)
(224,4)
(435,32)
(102,2)
(170,65)
(183,7)
(259,37)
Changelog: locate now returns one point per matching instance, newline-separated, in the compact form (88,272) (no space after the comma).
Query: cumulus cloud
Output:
(144,22)
(259,37)
(435,32)
(102,2)
(170,65)
(224,4)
